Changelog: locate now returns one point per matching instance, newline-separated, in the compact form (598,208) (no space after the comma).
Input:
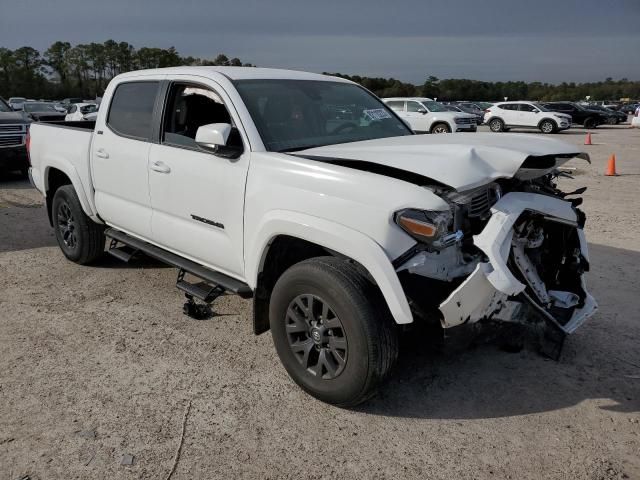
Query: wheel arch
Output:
(286,238)
(59,173)
(549,119)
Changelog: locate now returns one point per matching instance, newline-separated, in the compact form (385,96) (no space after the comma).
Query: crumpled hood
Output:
(462,160)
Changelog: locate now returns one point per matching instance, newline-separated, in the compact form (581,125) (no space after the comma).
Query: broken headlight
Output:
(429,227)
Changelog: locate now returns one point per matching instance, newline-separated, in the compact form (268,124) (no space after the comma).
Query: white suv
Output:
(505,115)
(425,115)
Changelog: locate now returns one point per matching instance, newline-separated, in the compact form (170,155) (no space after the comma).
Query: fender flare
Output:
(70,171)
(333,236)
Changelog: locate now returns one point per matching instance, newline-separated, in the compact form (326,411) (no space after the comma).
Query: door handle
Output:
(160,167)
(101,152)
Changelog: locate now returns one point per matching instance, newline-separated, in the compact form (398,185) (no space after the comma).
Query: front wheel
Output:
(440,128)
(590,123)
(332,331)
(80,238)
(548,126)
(496,125)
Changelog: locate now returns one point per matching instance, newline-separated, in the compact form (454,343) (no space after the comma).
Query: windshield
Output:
(38,107)
(434,106)
(298,114)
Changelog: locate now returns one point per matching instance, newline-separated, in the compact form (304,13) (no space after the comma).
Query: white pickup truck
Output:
(308,194)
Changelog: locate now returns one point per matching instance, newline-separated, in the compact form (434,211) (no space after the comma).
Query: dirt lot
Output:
(98,362)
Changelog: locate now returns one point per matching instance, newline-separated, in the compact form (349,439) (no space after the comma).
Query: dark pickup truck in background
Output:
(579,114)
(13,132)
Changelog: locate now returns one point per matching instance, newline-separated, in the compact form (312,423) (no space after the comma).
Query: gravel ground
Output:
(98,364)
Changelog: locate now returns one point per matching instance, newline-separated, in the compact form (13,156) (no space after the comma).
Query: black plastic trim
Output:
(225,281)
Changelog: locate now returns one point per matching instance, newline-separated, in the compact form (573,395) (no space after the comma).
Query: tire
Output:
(590,123)
(359,321)
(612,121)
(548,126)
(440,128)
(80,238)
(496,125)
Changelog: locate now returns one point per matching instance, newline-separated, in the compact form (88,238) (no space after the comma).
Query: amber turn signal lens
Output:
(417,227)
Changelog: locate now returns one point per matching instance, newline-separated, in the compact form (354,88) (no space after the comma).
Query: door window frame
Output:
(166,89)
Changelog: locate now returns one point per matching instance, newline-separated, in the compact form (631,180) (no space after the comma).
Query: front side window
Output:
(188,108)
(38,107)
(415,107)
(299,114)
(131,110)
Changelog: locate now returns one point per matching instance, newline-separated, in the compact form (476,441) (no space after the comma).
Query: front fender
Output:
(333,236)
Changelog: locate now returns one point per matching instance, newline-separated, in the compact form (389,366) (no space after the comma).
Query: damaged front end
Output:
(521,257)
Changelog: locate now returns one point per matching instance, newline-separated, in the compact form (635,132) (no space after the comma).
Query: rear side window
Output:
(508,106)
(131,110)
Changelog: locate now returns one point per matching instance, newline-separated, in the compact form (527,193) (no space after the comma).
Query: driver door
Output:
(197,198)
(416,117)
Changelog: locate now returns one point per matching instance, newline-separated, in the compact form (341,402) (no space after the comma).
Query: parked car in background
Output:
(471,109)
(506,115)
(69,101)
(14,126)
(628,108)
(82,111)
(39,111)
(614,117)
(16,102)
(456,108)
(426,116)
(579,114)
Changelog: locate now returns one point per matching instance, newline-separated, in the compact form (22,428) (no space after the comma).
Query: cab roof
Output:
(237,73)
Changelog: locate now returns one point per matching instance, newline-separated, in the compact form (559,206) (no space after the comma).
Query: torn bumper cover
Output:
(536,253)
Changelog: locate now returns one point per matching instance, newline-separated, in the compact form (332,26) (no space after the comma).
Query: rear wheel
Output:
(548,126)
(80,238)
(612,121)
(440,128)
(332,331)
(496,125)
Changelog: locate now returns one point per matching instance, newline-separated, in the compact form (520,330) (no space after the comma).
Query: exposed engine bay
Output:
(516,241)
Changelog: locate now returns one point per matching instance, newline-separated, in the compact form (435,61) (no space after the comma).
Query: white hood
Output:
(461,160)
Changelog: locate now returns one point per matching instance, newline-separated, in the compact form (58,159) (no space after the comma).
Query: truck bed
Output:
(65,146)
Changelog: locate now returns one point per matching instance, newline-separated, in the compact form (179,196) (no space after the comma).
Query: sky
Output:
(541,40)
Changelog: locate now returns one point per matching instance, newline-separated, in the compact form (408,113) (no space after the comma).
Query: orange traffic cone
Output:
(611,166)
(587,141)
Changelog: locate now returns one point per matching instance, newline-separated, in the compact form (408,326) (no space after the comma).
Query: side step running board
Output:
(210,276)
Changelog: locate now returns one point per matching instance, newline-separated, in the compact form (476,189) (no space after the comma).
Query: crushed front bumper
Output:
(492,289)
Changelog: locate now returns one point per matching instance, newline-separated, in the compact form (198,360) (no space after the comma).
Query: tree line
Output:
(84,70)
(464,89)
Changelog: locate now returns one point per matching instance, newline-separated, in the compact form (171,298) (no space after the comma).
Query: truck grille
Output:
(482,201)
(11,128)
(11,140)
(465,121)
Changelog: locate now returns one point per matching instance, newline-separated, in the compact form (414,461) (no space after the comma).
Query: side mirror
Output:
(536,111)
(215,137)
(422,111)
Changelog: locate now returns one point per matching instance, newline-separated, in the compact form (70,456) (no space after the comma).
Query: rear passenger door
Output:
(120,155)
(509,113)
